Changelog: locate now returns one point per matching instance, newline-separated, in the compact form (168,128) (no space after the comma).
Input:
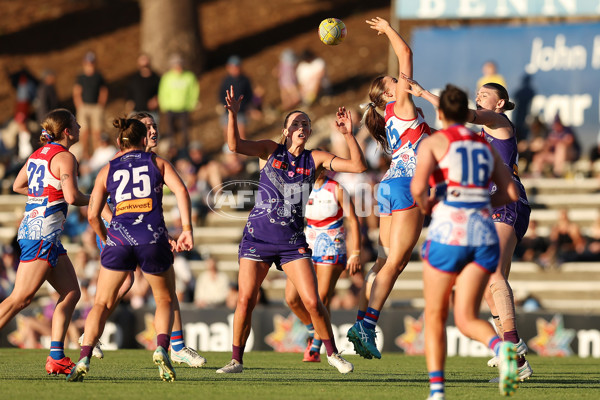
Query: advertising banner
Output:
(277,329)
(548,70)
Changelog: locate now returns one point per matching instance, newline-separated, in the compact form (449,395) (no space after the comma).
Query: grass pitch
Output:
(130,374)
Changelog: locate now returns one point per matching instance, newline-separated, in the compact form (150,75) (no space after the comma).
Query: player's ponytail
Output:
(131,133)
(372,119)
(54,125)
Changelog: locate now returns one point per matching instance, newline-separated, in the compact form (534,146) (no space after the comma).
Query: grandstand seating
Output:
(572,287)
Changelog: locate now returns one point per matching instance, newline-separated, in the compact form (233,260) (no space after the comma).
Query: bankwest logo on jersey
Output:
(136,205)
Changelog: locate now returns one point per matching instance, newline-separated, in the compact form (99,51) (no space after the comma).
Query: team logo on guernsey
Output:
(136,206)
(279,164)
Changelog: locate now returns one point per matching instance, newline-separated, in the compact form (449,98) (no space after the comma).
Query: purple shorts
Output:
(279,254)
(514,214)
(152,258)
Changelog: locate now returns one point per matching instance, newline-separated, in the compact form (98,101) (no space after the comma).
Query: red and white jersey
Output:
(323,209)
(462,217)
(46,208)
(464,173)
(403,137)
(324,231)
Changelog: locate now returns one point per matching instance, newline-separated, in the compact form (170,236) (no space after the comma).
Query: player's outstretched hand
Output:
(415,89)
(343,121)
(233,104)
(379,24)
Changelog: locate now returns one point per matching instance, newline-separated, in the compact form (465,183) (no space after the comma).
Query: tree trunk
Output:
(169,27)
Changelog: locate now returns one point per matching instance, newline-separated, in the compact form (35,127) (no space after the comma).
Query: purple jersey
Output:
(135,186)
(284,187)
(507,149)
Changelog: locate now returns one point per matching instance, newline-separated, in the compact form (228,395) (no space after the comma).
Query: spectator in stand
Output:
(538,131)
(212,286)
(288,83)
(103,153)
(592,247)
(19,139)
(25,85)
(560,148)
(90,94)
(178,93)
(532,246)
(312,77)
(489,71)
(566,242)
(142,93)
(46,98)
(242,85)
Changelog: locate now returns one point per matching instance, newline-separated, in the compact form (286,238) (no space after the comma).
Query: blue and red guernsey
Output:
(464,173)
(403,137)
(284,187)
(46,208)
(323,209)
(135,186)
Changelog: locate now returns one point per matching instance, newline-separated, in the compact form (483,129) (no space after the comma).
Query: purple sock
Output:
(511,336)
(86,351)
(163,340)
(330,346)
(238,353)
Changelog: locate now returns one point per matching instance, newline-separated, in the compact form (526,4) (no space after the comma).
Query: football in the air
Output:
(332,31)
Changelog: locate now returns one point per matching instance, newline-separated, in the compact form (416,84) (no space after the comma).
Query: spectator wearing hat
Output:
(178,93)
(90,95)
(241,86)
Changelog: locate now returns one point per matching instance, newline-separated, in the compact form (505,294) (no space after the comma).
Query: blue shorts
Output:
(153,258)
(280,254)
(32,250)
(453,259)
(394,195)
(514,214)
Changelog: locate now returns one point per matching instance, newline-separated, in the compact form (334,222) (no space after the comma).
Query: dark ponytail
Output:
(131,132)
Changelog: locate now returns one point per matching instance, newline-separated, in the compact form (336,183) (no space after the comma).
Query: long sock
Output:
(57,350)
(436,382)
(86,351)
(162,340)
(311,330)
(360,315)
(238,353)
(513,337)
(371,317)
(498,324)
(177,342)
(505,304)
(330,346)
(494,344)
(316,345)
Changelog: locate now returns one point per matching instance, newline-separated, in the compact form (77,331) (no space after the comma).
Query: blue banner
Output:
(548,69)
(444,9)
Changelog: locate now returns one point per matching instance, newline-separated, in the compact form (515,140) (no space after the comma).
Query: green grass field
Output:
(130,374)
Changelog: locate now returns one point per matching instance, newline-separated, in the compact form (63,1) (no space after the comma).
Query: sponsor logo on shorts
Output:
(136,206)
(302,250)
